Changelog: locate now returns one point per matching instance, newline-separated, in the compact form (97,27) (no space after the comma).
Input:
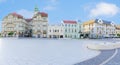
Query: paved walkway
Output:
(115,60)
(100,58)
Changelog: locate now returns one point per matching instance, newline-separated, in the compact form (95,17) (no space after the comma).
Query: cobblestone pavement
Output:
(101,58)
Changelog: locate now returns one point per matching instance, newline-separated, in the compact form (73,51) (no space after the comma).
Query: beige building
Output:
(55,31)
(13,24)
(39,24)
(16,25)
(117,29)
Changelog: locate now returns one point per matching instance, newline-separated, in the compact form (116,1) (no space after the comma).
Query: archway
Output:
(61,36)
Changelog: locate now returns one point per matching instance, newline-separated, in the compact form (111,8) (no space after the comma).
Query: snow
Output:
(14,51)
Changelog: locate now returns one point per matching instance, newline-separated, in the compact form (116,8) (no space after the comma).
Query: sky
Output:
(59,10)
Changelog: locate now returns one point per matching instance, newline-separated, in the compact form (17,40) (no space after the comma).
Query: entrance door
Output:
(38,35)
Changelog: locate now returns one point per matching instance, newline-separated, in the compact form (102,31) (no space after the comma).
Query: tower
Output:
(36,10)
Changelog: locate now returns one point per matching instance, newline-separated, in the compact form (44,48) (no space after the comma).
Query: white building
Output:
(99,28)
(55,31)
(71,29)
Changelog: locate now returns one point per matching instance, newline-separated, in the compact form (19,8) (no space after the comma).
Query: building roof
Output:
(104,21)
(89,22)
(17,15)
(69,22)
(43,14)
(98,21)
(28,20)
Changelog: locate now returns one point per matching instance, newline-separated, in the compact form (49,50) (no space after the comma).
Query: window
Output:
(65,35)
(69,25)
(44,25)
(44,32)
(65,30)
(106,32)
(44,19)
(75,30)
(55,30)
(72,31)
(69,30)
(66,25)
(75,36)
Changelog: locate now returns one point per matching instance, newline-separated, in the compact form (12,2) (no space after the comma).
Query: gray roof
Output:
(104,22)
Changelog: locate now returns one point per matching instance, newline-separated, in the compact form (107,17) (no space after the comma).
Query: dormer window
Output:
(112,23)
(100,21)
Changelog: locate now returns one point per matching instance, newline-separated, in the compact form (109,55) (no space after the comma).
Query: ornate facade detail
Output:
(16,25)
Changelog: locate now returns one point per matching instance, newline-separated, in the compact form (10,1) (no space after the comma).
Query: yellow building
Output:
(88,26)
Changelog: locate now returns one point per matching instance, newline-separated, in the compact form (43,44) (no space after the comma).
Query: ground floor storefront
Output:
(55,36)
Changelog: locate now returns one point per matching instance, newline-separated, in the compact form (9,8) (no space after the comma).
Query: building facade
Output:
(55,31)
(16,25)
(99,28)
(118,30)
(71,29)
(39,24)
(13,24)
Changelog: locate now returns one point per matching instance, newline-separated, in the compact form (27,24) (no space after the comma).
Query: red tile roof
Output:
(43,14)
(69,22)
(18,15)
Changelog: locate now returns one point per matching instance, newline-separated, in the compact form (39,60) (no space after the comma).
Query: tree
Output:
(0,34)
(118,35)
(11,33)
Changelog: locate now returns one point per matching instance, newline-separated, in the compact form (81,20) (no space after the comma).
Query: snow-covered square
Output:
(35,51)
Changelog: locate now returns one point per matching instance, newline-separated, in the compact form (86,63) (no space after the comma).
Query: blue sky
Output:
(59,10)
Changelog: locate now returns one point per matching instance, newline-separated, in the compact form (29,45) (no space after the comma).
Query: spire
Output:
(36,9)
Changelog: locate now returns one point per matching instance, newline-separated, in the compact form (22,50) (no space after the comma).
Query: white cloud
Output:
(52,5)
(25,13)
(53,1)
(2,1)
(49,8)
(104,9)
